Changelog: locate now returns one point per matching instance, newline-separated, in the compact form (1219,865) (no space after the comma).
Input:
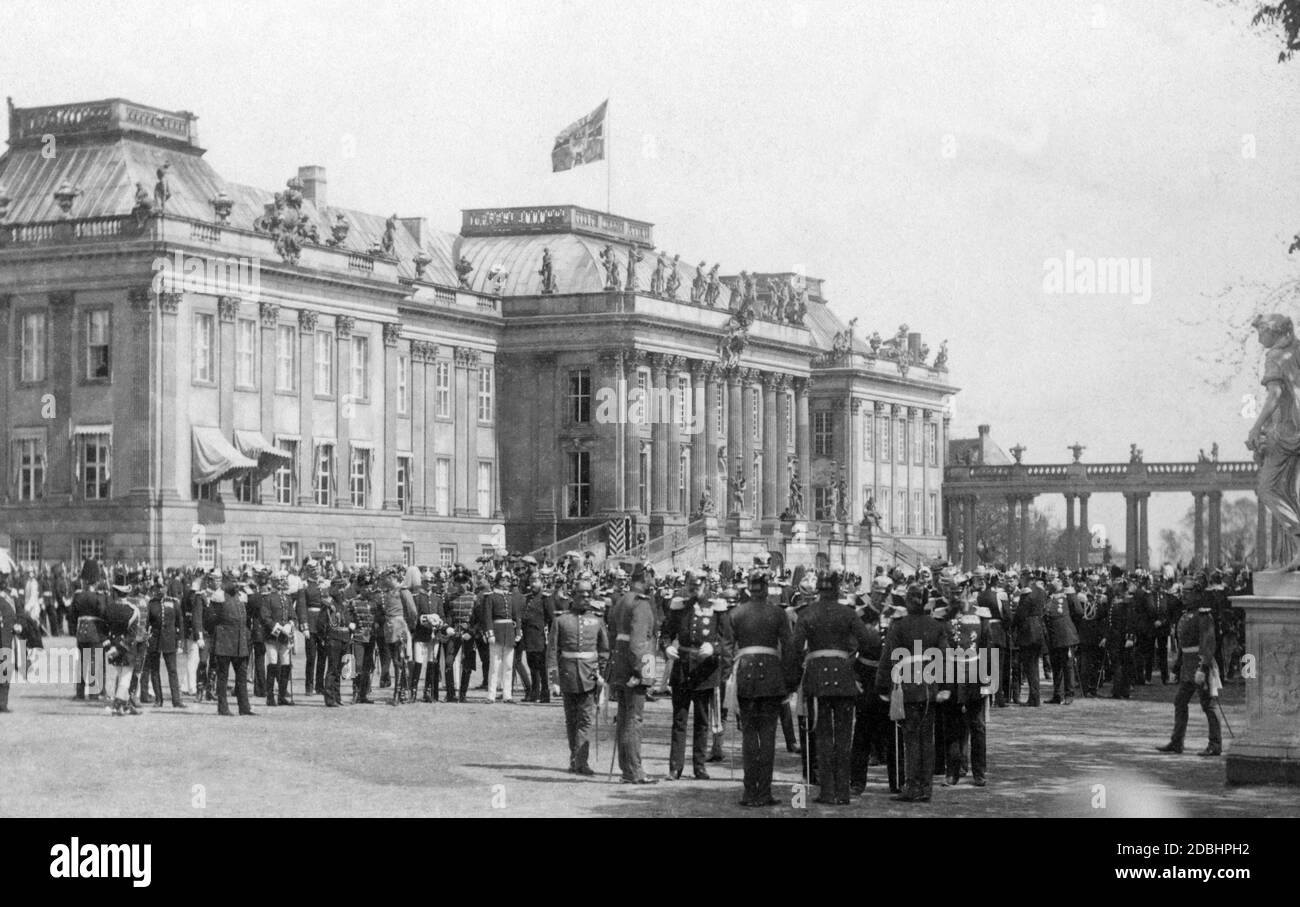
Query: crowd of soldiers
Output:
(812,649)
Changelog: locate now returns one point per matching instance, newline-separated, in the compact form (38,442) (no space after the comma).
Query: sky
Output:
(929,161)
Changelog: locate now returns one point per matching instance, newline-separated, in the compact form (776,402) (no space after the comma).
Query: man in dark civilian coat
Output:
(1030,634)
(538,614)
(228,624)
(762,671)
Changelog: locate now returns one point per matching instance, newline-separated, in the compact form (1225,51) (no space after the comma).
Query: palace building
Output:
(203,371)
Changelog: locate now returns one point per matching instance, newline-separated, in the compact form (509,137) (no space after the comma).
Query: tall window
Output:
(789,418)
(245,353)
(756,484)
(97,344)
(408,554)
(442,390)
(882,445)
(286,475)
(329,549)
(29,463)
(442,487)
(643,478)
(868,437)
(363,554)
(484,489)
(580,395)
(900,440)
(721,424)
(403,385)
(485,394)
(579,486)
(885,507)
(324,364)
(685,403)
(286,357)
(245,488)
(324,473)
(90,550)
(918,526)
(404,484)
(932,444)
(932,524)
(823,434)
(900,510)
(684,481)
(446,555)
(95,453)
(822,509)
(755,416)
(289,552)
(250,551)
(361,368)
(359,476)
(27,552)
(918,449)
(207,552)
(32,355)
(204,349)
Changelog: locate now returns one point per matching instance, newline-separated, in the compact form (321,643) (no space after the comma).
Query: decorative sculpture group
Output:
(283,219)
(1275,436)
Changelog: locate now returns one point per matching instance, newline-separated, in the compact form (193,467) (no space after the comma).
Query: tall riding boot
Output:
(259,673)
(715,755)
(413,691)
(451,684)
(464,684)
(286,685)
(272,671)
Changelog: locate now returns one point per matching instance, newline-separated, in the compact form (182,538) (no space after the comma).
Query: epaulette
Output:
(677,604)
(719,604)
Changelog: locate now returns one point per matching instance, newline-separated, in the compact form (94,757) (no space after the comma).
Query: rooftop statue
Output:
(657,277)
(674,282)
(610,262)
(463,269)
(714,288)
(941,358)
(700,285)
(547,273)
(1275,436)
(388,244)
(634,255)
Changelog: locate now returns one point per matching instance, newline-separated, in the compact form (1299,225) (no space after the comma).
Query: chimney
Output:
(914,344)
(984,431)
(417,227)
(313,184)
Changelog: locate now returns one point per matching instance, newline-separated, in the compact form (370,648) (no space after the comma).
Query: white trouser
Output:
(118,680)
(425,653)
(190,676)
(501,666)
(278,653)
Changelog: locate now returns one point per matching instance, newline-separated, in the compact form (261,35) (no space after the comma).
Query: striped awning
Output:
(254,446)
(215,458)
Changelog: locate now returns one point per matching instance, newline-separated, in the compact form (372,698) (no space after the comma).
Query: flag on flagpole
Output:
(581,142)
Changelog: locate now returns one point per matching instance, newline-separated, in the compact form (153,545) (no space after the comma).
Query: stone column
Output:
(1025,502)
(673,453)
(1013,537)
(704,396)
(227,312)
(306,397)
(631,440)
(422,455)
(269,317)
(1216,528)
(394,348)
(773,461)
(803,443)
(852,457)
(344,409)
(1261,535)
(659,439)
(608,476)
(970,556)
(1144,541)
(1071,558)
(737,442)
(1085,530)
(1198,528)
(464,464)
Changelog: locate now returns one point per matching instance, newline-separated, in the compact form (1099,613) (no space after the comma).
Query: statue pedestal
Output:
(1267,751)
(738,525)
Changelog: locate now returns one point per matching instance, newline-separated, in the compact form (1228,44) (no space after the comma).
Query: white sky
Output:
(770,136)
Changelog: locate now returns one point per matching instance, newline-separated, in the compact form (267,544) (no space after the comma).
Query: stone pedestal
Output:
(1267,751)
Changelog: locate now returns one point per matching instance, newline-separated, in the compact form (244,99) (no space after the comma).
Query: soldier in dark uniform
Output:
(257,632)
(166,632)
(85,618)
(280,616)
(1143,616)
(538,614)
(1197,676)
(429,616)
(459,639)
(1029,632)
(332,628)
(1091,615)
(138,643)
(763,671)
(914,631)
(1062,637)
(1161,599)
(9,627)
(361,622)
(311,598)
(968,637)
(1120,642)
(701,655)
(827,636)
(632,620)
(579,656)
(397,634)
(228,624)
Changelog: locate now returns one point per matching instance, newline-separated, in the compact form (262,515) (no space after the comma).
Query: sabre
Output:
(1224,715)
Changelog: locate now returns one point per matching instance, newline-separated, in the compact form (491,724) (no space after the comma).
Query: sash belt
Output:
(757,650)
(586,656)
(826,653)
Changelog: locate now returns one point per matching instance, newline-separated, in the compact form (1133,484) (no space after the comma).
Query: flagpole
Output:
(609,158)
